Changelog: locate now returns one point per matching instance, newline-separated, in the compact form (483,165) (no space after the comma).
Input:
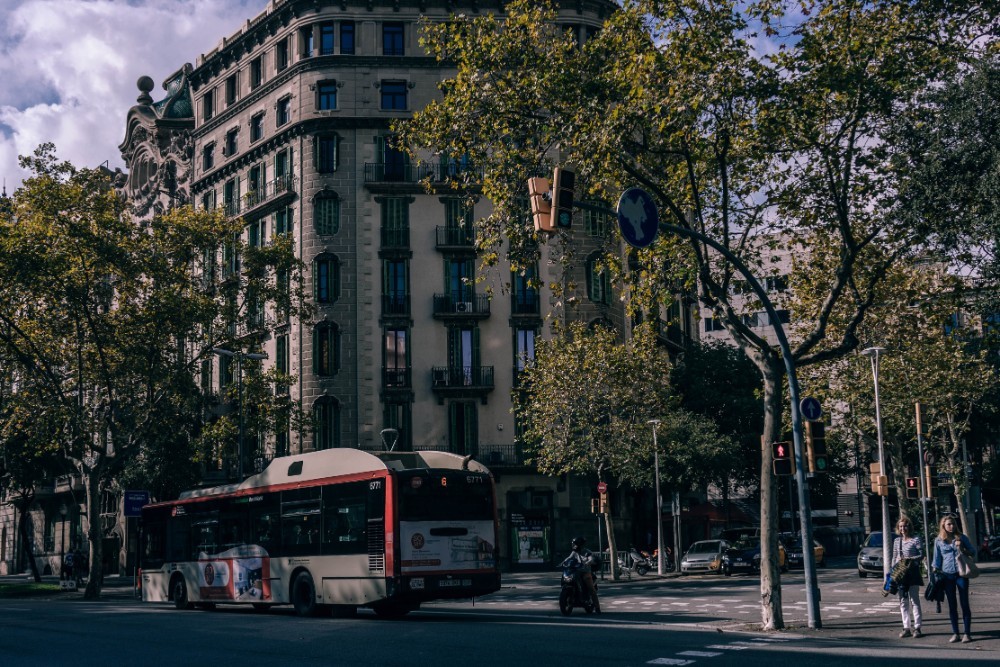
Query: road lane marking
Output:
(670,661)
(700,654)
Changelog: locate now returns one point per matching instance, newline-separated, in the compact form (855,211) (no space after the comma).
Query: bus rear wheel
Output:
(180,594)
(304,595)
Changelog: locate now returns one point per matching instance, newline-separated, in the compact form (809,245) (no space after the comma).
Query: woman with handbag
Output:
(909,550)
(951,548)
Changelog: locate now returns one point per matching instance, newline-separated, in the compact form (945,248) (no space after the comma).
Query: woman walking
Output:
(908,547)
(949,544)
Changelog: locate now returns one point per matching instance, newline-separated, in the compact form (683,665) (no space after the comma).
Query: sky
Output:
(68,68)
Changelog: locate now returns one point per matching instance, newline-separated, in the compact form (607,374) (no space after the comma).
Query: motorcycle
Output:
(634,561)
(573,593)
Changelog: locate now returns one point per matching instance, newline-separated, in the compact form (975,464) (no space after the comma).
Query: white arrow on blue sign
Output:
(637,218)
(810,408)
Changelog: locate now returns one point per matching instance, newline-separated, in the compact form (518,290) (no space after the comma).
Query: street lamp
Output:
(63,511)
(240,355)
(659,503)
(875,353)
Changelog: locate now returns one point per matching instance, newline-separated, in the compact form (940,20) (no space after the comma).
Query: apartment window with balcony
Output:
(326,213)
(283,221)
(459,222)
(208,265)
(326,95)
(460,275)
(395,286)
(393,163)
(256,182)
(326,349)
(347,38)
(230,194)
(281,55)
(326,153)
(326,39)
(283,111)
(524,288)
(232,90)
(396,217)
(326,279)
(257,127)
(392,39)
(397,414)
(393,95)
(208,156)
(256,72)
(598,280)
(283,164)
(208,105)
(231,142)
(396,358)
(463,428)
(326,420)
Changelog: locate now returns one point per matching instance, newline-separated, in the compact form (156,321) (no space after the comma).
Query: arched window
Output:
(598,280)
(326,213)
(326,279)
(326,420)
(326,349)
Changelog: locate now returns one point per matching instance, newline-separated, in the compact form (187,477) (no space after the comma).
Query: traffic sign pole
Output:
(924,487)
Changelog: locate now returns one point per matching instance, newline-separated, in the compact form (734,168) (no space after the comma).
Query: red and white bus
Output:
(334,529)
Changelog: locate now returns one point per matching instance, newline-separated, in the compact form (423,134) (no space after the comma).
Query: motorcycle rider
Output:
(582,560)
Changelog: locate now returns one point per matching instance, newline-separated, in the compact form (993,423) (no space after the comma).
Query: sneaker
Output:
(954,639)
(966,639)
(904,633)
(917,634)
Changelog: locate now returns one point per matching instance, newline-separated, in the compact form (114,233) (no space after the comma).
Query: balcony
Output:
(462,382)
(395,305)
(395,239)
(391,175)
(526,304)
(455,238)
(397,378)
(260,199)
(502,456)
(472,306)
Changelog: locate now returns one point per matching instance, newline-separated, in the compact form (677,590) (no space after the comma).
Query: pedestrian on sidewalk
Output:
(909,549)
(949,544)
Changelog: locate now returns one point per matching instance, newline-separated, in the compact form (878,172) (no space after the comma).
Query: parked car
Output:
(744,555)
(795,554)
(704,556)
(870,555)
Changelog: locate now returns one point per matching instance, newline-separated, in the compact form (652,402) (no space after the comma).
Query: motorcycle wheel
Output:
(566,602)
(588,606)
(642,570)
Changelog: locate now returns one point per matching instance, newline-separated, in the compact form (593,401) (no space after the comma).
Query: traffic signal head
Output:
(563,183)
(816,446)
(932,480)
(912,487)
(782,458)
(541,207)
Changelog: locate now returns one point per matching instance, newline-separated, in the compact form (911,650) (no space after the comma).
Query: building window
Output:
(282,358)
(281,55)
(256,178)
(460,275)
(256,72)
(326,95)
(283,221)
(230,194)
(257,127)
(394,95)
(326,416)
(598,281)
(392,39)
(231,89)
(347,37)
(396,360)
(256,233)
(326,154)
(776,283)
(326,279)
(231,145)
(208,156)
(398,415)
(595,224)
(463,428)
(459,220)
(395,286)
(524,287)
(396,222)
(326,349)
(208,201)
(306,40)
(714,324)
(394,162)
(283,164)
(283,111)
(326,213)
(326,39)
(208,105)
(524,348)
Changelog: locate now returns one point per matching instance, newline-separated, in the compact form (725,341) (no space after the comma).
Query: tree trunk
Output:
(26,540)
(95,576)
(770,575)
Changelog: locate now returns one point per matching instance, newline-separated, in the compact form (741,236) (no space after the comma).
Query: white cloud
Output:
(69,68)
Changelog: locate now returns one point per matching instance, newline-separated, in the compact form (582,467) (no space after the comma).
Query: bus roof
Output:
(339,462)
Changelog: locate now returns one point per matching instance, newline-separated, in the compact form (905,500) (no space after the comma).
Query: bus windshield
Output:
(445,496)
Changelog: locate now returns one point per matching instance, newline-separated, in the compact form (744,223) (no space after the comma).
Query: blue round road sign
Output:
(810,409)
(637,218)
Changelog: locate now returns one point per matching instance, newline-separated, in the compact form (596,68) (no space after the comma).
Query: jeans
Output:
(952,582)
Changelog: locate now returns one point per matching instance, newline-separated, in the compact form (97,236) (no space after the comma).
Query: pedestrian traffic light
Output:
(541,204)
(912,487)
(563,183)
(816,446)
(782,458)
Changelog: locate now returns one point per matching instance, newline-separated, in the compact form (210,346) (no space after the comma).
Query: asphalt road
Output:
(702,621)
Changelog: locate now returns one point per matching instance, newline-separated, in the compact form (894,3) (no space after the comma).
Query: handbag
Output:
(935,590)
(966,565)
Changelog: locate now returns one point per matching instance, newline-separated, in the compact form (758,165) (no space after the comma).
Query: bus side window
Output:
(153,544)
(344,519)
(204,535)
(179,540)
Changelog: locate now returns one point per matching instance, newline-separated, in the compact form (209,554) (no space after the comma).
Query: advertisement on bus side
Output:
(241,573)
(446,545)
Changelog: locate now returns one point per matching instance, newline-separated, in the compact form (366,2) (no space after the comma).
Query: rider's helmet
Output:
(578,543)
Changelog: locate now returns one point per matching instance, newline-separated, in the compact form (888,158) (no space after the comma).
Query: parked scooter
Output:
(573,593)
(634,561)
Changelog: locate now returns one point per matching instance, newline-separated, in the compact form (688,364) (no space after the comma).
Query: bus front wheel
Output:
(304,595)
(180,593)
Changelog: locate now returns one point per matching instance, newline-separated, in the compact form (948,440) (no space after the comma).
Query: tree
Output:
(586,407)
(107,322)
(677,98)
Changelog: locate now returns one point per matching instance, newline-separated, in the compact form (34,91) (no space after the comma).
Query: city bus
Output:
(336,529)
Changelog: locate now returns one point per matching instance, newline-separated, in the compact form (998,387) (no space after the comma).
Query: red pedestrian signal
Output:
(912,487)
(781,454)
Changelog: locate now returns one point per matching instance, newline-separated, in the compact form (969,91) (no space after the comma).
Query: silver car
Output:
(870,556)
(704,556)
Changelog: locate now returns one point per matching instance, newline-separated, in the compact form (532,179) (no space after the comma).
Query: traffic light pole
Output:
(808,557)
(925,487)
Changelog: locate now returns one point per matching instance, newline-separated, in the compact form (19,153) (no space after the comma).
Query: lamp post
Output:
(240,355)
(63,511)
(659,503)
(875,353)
